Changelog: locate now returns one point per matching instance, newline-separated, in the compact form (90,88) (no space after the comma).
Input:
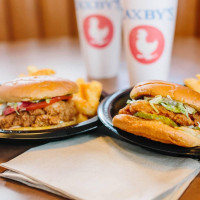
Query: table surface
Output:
(63,55)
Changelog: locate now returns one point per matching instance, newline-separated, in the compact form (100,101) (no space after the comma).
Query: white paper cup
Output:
(99,25)
(148,27)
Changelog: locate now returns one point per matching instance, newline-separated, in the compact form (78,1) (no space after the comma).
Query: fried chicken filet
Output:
(56,113)
(145,106)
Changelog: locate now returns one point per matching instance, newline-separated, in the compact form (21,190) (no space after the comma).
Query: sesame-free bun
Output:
(175,91)
(36,88)
(157,131)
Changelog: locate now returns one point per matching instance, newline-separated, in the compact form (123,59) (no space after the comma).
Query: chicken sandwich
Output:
(37,101)
(164,112)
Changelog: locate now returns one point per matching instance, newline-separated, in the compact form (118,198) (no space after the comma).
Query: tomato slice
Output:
(32,106)
(43,104)
(8,110)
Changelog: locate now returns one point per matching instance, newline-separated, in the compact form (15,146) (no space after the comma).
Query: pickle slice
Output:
(161,118)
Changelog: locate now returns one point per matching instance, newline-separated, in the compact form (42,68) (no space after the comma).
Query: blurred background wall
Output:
(23,19)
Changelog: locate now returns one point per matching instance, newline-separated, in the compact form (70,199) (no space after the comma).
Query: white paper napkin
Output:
(102,168)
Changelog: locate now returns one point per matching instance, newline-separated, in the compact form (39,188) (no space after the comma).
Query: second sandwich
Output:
(164,112)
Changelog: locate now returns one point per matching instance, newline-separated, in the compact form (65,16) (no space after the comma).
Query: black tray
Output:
(51,134)
(110,106)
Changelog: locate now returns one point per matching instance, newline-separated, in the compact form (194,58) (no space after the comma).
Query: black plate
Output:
(51,134)
(110,106)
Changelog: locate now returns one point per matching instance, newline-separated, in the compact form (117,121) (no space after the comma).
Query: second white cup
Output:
(148,36)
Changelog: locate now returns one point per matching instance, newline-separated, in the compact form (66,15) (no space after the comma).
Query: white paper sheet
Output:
(102,168)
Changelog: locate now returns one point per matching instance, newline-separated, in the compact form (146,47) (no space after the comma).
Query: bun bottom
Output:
(64,124)
(155,130)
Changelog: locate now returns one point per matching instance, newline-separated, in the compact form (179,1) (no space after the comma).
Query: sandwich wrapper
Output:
(102,168)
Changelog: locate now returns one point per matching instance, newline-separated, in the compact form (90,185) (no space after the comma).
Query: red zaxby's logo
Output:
(98,30)
(146,44)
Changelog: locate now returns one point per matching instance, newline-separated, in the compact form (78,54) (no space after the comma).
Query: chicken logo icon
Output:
(146,43)
(98,30)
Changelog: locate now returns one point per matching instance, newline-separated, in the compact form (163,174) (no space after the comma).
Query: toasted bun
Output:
(155,130)
(175,91)
(64,124)
(35,87)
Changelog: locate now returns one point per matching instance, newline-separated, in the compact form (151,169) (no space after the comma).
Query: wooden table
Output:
(63,55)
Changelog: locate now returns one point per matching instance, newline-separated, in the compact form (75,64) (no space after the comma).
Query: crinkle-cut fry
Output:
(193,84)
(81,118)
(43,72)
(33,71)
(80,81)
(87,99)
(198,76)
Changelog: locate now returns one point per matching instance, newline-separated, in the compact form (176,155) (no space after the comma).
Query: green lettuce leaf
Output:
(171,105)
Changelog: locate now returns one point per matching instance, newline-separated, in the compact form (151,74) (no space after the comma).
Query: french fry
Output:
(193,84)
(81,118)
(198,76)
(87,99)
(33,71)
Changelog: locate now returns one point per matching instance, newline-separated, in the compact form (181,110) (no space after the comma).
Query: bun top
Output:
(36,88)
(175,91)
